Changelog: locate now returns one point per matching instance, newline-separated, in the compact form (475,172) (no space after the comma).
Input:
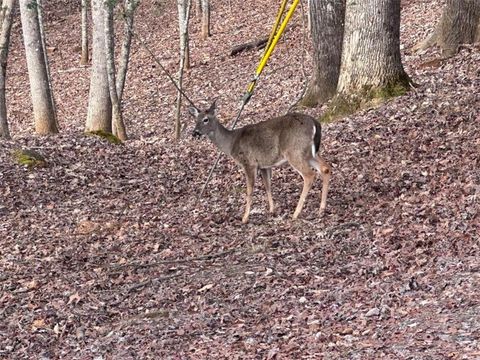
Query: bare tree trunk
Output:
(2,14)
(183,19)
(371,47)
(129,10)
(85,54)
(459,24)
(371,69)
(118,126)
(310,14)
(8,7)
(205,19)
(43,108)
(327,17)
(47,64)
(198,7)
(99,116)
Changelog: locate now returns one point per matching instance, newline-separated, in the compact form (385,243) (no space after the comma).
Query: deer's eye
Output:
(206,120)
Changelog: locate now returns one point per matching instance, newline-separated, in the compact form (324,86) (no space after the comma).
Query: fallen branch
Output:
(257,44)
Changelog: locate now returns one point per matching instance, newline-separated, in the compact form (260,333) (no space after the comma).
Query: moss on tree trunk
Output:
(344,104)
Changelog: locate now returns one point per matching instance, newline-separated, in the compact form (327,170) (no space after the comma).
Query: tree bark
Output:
(8,6)
(118,127)
(85,55)
(371,47)
(47,64)
(371,69)
(183,19)
(129,11)
(198,7)
(459,24)
(327,17)
(99,116)
(43,108)
(205,19)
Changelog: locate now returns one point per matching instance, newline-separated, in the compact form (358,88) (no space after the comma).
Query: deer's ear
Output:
(193,111)
(212,108)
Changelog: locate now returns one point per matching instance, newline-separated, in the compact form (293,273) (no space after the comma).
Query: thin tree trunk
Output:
(99,116)
(129,10)
(205,19)
(310,14)
(327,17)
(47,63)
(43,109)
(183,19)
(8,6)
(85,55)
(198,7)
(118,126)
(459,24)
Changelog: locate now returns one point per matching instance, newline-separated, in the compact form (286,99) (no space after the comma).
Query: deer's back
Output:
(264,144)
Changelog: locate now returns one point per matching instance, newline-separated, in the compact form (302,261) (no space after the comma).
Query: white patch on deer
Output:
(313,141)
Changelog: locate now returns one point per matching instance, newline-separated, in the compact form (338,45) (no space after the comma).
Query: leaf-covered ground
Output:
(108,253)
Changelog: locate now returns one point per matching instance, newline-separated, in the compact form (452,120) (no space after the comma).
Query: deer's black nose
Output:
(196,133)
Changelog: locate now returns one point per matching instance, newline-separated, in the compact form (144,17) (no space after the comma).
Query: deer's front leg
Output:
(250,172)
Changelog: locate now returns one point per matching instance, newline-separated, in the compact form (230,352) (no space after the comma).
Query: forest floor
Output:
(109,253)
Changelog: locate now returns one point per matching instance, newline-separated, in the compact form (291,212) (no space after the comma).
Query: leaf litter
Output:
(107,252)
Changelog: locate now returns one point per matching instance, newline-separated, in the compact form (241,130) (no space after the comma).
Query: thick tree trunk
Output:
(371,46)
(85,55)
(371,69)
(459,24)
(99,116)
(327,17)
(43,108)
(118,127)
(8,7)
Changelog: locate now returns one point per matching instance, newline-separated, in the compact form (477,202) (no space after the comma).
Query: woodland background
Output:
(107,252)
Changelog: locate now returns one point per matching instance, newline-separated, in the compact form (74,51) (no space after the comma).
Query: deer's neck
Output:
(223,138)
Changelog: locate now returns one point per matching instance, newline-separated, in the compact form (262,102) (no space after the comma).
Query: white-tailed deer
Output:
(292,138)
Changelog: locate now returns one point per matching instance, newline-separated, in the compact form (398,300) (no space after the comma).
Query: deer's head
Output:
(205,120)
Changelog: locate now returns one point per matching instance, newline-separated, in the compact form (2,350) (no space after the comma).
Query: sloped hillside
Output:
(109,253)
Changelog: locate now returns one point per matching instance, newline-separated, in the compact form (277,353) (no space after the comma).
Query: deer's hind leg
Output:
(326,172)
(267,177)
(250,173)
(308,175)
